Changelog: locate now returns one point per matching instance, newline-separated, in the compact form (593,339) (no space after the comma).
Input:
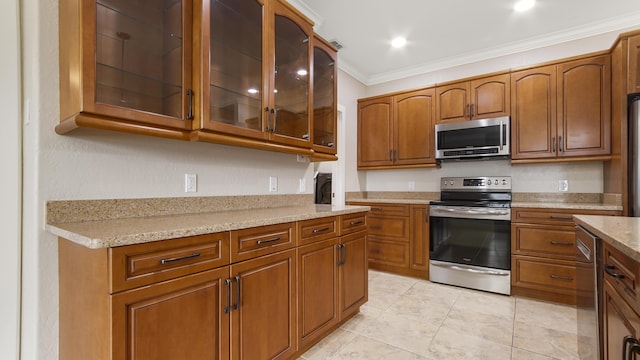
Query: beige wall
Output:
(10,162)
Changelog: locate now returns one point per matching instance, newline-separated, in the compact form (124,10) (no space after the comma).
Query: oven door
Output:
(471,247)
(471,236)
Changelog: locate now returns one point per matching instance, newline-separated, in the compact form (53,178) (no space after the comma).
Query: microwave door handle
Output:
(501,135)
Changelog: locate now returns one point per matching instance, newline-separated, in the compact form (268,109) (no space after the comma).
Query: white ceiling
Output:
(445,33)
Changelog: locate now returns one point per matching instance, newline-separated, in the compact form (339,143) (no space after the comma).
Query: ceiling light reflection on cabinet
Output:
(302,72)
(252,91)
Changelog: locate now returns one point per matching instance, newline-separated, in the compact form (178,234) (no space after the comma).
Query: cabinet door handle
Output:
(558,277)
(609,270)
(472,110)
(560,145)
(390,155)
(561,243)
(168,261)
(635,349)
(316,231)
(339,247)
(227,309)
(466,112)
(344,254)
(275,119)
(353,223)
(625,342)
(236,305)
(190,112)
(268,111)
(260,242)
(554,144)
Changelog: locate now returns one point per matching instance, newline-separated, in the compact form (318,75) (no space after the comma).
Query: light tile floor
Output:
(408,318)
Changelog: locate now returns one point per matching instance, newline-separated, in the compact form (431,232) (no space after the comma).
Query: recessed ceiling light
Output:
(523,5)
(398,42)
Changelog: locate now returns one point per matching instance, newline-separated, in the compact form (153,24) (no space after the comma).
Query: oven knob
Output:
(504,181)
(496,182)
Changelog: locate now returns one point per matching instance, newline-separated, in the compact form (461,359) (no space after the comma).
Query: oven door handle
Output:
(471,270)
(469,211)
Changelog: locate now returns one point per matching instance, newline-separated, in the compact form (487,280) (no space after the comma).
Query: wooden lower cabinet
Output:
(543,253)
(179,319)
(317,290)
(398,238)
(353,273)
(621,304)
(186,298)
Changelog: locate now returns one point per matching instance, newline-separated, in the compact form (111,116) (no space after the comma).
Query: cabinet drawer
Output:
(263,240)
(540,240)
(353,223)
(143,264)
(542,216)
(622,272)
(385,209)
(541,274)
(396,228)
(310,231)
(388,252)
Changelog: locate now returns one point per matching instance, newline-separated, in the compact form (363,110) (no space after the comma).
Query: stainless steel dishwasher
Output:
(587,300)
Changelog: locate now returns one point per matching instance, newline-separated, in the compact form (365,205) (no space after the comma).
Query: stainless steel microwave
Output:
(474,139)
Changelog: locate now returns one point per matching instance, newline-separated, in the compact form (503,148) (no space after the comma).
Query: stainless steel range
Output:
(470,233)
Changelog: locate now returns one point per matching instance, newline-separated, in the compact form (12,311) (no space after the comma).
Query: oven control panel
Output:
(479,183)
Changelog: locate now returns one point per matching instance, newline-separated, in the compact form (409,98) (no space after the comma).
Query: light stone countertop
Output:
(135,230)
(390,201)
(623,233)
(561,205)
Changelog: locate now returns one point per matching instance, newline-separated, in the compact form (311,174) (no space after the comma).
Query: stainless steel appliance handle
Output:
(583,249)
(501,135)
(471,270)
(474,211)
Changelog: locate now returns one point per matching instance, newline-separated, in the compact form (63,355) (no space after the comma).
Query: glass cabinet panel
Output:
(324,116)
(139,55)
(291,91)
(236,81)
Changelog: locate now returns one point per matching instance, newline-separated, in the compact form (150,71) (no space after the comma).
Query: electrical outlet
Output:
(564,185)
(302,159)
(412,185)
(273,184)
(190,183)
(302,186)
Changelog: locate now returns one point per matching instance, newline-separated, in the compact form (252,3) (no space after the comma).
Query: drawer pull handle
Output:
(376,209)
(609,270)
(561,217)
(315,231)
(168,261)
(353,223)
(558,277)
(260,242)
(375,227)
(563,243)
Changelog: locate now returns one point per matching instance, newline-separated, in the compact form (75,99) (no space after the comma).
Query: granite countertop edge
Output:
(623,233)
(137,230)
(514,204)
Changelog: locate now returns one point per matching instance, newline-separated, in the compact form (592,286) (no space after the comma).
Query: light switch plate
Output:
(273,184)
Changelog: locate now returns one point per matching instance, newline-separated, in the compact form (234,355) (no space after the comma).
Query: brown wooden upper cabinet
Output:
(325,109)
(633,83)
(562,111)
(255,69)
(125,62)
(397,131)
(481,98)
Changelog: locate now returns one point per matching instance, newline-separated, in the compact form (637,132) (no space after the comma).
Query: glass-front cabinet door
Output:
(235,87)
(290,118)
(324,96)
(140,66)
